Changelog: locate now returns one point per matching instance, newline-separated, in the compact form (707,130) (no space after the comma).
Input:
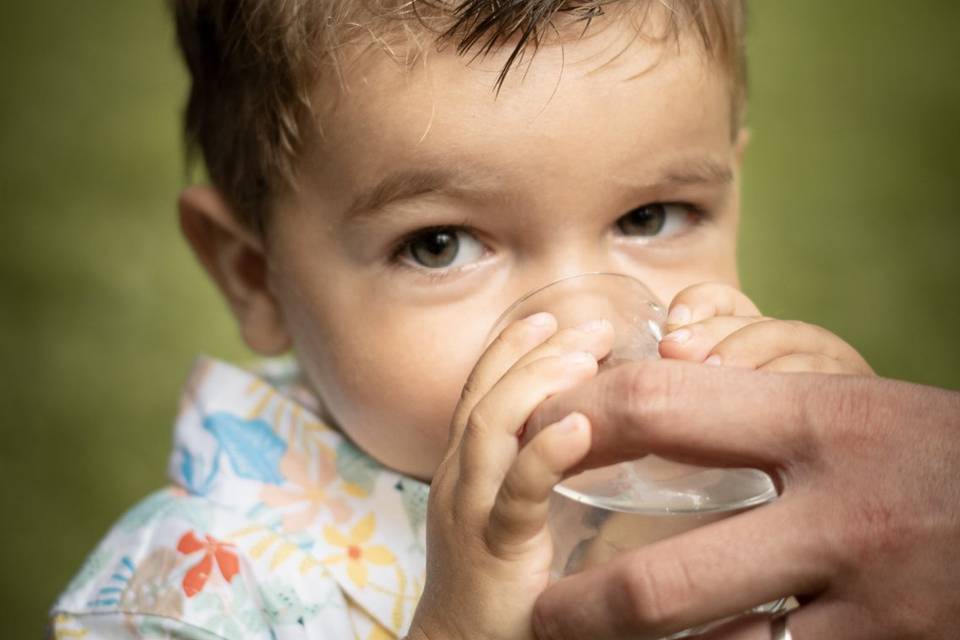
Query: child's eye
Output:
(658,219)
(441,248)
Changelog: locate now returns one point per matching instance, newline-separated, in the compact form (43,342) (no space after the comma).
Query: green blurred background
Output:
(851,221)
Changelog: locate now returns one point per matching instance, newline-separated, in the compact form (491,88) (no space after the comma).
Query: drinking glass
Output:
(603,512)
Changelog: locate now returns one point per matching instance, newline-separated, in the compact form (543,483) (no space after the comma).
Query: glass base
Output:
(602,513)
(769,608)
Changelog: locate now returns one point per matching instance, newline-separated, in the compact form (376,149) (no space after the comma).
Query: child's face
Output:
(532,186)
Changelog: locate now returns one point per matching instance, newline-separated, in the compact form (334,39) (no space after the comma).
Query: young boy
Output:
(379,196)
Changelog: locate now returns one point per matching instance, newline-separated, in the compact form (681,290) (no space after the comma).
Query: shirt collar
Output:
(254,443)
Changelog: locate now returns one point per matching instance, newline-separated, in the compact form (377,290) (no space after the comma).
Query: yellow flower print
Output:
(357,553)
(379,633)
(66,627)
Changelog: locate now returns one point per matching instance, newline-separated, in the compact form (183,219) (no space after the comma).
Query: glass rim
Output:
(587,274)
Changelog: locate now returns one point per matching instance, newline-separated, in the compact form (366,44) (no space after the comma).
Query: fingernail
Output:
(541,319)
(592,326)
(713,361)
(572,423)
(679,336)
(579,357)
(680,314)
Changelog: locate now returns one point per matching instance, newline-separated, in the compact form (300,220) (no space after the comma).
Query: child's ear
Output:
(742,142)
(235,259)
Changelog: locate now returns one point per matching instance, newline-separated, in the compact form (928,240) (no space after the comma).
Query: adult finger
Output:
(694,342)
(706,300)
(705,415)
(710,573)
(754,345)
(520,509)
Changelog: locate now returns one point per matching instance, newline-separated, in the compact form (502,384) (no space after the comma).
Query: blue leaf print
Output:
(191,467)
(186,469)
(109,595)
(253,448)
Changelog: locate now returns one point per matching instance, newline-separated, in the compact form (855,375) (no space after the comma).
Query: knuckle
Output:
(655,594)
(552,368)
(831,415)
(802,426)
(510,494)
(469,390)
(801,328)
(513,338)
(565,341)
(537,454)
(546,624)
(497,537)
(648,389)
(454,511)
(819,363)
(722,297)
(764,327)
(707,289)
(441,476)
(841,414)
(642,381)
(548,365)
(478,426)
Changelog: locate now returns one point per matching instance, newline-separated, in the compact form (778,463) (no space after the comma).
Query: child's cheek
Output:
(394,398)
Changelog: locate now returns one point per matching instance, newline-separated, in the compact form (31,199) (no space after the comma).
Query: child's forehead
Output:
(609,99)
(615,42)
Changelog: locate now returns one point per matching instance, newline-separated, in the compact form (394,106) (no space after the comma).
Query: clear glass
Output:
(601,513)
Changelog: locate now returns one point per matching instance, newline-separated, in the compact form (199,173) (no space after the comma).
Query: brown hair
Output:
(255,63)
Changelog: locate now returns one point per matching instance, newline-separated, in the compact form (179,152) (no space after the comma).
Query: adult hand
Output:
(866,532)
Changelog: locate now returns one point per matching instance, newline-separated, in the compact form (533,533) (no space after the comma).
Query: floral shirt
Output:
(275,527)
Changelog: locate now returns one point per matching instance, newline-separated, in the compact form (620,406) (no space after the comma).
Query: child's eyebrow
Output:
(686,171)
(698,170)
(412,182)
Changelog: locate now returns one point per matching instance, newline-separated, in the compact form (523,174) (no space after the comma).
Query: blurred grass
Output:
(851,221)
(851,189)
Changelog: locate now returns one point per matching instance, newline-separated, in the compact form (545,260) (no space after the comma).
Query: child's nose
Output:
(568,262)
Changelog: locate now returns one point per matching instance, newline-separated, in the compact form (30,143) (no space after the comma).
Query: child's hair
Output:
(254,65)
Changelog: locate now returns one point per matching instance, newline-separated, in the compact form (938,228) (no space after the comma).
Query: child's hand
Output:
(718,325)
(488,547)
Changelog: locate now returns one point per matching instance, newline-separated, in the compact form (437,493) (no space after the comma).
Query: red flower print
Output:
(213,550)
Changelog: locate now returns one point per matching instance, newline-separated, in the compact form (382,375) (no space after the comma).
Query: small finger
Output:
(489,444)
(805,363)
(694,342)
(520,510)
(594,337)
(757,344)
(707,300)
(513,343)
